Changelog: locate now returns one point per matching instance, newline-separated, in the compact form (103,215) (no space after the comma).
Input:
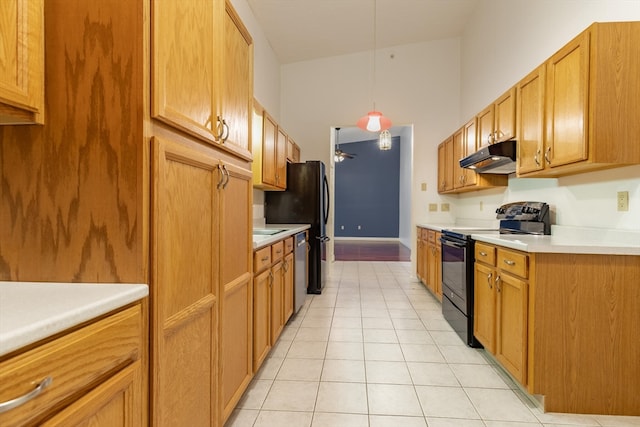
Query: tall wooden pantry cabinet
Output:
(142,174)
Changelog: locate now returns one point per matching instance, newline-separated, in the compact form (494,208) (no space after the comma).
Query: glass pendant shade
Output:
(374,121)
(384,142)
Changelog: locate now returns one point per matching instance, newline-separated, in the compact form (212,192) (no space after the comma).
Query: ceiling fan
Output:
(340,155)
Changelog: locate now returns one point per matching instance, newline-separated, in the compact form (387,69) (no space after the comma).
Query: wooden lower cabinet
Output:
(236,306)
(429,260)
(116,402)
(261,316)
(201,262)
(563,325)
(288,301)
(501,306)
(97,374)
(273,287)
(434,264)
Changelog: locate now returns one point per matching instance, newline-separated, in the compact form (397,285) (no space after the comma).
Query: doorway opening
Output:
(372,196)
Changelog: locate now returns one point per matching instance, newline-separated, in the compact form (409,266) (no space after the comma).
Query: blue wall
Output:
(367,191)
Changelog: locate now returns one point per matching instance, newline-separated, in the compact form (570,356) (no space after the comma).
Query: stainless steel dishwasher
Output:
(301,256)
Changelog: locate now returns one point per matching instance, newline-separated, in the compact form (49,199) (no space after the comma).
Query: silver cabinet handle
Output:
(547,155)
(222,129)
(489,279)
(482,253)
(18,401)
(498,283)
(264,259)
(509,262)
(535,158)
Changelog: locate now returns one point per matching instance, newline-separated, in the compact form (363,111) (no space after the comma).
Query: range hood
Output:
(498,158)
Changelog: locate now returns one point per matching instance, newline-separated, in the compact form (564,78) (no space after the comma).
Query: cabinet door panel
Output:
(235,275)
(115,403)
(567,103)
(237,89)
(485,127)
(261,315)
(484,306)
(184,49)
(505,116)
(277,293)
(185,261)
(511,349)
(22,62)
(530,112)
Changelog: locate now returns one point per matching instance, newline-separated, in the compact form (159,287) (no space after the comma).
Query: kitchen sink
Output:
(267,231)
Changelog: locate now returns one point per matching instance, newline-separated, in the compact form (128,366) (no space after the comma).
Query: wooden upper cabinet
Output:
(203,72)
(567,108)
(269,146)
(530,119)
(497,122)
(237,89)
(186,43)
(281,159)
(592,102)
(22,62)
(459,151)
(293,151)
(504,124)
(485,126)
(470,178)
(445,166)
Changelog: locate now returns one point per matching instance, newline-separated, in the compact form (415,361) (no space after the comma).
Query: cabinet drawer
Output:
(288,245)
(431,237)
(514,262)
(485,253)
(75,362)
(277,251)
(261,259)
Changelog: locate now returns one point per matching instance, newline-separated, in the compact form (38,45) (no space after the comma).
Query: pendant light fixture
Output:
(374,121)
(384,141)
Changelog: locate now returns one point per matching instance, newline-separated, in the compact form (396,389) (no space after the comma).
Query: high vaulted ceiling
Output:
(301,30)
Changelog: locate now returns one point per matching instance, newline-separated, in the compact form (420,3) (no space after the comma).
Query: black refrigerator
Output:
(306,201)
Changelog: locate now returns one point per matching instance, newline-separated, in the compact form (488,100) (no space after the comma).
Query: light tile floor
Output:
(374,351)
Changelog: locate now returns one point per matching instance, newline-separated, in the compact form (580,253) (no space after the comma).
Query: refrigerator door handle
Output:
(325,195)
(323,238)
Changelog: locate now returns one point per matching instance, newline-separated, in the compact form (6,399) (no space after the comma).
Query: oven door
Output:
(455,257)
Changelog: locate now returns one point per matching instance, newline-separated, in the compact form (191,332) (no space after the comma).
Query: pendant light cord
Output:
(375,45)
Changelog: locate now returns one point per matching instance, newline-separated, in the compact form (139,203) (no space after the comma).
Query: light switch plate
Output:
(444,207)
(423,186)
(433,207)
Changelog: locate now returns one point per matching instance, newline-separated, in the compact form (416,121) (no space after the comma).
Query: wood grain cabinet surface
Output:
(501,306)
(203,72)
(96,376)
(540,314)
(22,62)
(590,120)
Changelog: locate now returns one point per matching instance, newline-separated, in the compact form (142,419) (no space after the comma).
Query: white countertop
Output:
(289,230)
(570,240)
(32,311)
(563,239)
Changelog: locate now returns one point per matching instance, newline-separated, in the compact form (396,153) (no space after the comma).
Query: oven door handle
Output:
(452,243)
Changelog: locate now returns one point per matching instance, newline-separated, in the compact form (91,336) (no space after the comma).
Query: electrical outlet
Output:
(444,207)
(433,207)
(359,228)
(342,227)
(623,201)
(423,186)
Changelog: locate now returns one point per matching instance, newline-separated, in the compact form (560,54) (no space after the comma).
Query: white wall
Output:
(524,34)
(406,171)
